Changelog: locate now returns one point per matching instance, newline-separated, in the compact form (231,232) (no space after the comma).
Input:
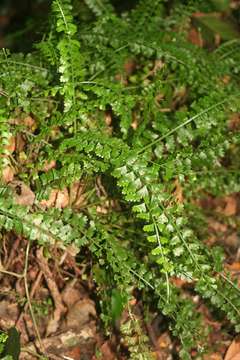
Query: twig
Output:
(59,307)
(29,299)
(4,268)
(153,339)
(3,271)
(13,249)
(32,292)
(24,276)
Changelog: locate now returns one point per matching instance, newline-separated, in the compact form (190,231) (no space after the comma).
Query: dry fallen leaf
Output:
(232,240)
(49,165)
(77,196)
(11,144)
(194,36)
(134,123)
(231,206)
(74,353)
(22,194)
(62,199)
(20,143)
(51,199)
(164,341)
(178,193)
(30,122)
(101,210)
(234,122)
(214,356)
(217,226)
(7,174)
(233,352)
(108,118)
(106,352)
(129,67)
(57,198)
(234,266)
(80,313)
(226,79)
(70,295)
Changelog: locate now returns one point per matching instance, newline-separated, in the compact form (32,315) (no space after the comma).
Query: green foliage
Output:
(10,345)
(128,100)
(3,339)
(137,342)
(99,7)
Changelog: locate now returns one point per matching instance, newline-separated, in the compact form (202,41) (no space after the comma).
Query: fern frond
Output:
(100,7)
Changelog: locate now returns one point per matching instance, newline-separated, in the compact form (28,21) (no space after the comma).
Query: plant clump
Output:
(112,129)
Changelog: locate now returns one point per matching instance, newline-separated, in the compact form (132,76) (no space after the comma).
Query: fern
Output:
(168,109)
(71,61)
(99,7)
(5,135)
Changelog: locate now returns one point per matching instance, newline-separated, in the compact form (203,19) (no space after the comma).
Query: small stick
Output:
(32,292)
(59,307)
(29,299)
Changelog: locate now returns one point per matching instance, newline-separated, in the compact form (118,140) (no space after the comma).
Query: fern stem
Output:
(29,299)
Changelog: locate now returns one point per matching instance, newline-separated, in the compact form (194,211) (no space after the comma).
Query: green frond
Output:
(99,7)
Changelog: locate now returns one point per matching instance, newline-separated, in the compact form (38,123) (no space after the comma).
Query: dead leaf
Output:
(232,240)
(70,295)
(74,353)
(57,198)
(226,79)
(106,352)
(80,314)
(101,210)
(62,199)
(108,118)
(22,194)
(77,196)
(194,36)
(29,122)
(7,174)
(72,250)
(214,356)
(217,226)
(134,123)
(129,67)
(158,65)
(51,200)
(164,341)
(64,345)
(133,302)
(233,352)
(234,122)
(178,282)
(231,206)
(234,266)
(20,143)
(49,165)
(11,146)
(8,309)
(178,193)
(235,4)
